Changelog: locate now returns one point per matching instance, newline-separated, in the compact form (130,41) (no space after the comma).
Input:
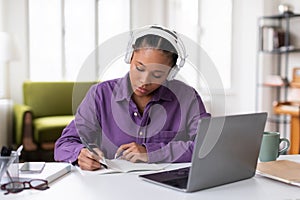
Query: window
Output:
(64,33)
(208,23)
(79,23)
(45,53)
(113,19)
(215,37)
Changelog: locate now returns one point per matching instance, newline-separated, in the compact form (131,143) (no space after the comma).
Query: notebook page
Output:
(123,166)
(127,166)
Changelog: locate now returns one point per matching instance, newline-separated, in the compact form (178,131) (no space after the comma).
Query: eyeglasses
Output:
(17,186)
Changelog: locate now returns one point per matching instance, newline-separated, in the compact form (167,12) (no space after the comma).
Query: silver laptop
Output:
(226,150)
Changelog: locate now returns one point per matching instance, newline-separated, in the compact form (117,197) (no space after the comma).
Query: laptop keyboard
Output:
(178,178)
(180,172)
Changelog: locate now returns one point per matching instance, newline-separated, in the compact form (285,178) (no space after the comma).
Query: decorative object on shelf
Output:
(296,77)
(286,48)
(285,8)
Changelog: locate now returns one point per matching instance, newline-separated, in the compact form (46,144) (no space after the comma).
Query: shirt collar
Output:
(123,90)
(163,93)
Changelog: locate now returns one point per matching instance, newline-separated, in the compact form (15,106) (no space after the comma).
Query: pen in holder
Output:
(9,168)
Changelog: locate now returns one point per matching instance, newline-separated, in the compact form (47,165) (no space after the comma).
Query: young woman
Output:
(146,116)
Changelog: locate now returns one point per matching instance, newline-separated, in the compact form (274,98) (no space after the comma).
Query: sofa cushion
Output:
(49,128)
(54,98)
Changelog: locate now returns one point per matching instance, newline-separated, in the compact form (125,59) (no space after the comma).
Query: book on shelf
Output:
(273,38)
(275,80)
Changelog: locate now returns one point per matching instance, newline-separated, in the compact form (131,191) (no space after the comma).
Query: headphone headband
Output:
(165,33)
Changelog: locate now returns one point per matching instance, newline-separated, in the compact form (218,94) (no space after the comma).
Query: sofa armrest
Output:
(23,126)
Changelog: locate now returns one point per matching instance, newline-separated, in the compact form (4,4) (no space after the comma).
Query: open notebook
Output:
(124,166)
(281,170)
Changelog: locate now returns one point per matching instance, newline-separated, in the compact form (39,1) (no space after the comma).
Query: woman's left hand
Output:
(133,152)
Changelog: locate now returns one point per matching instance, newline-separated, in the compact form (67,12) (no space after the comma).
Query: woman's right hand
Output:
(89,161)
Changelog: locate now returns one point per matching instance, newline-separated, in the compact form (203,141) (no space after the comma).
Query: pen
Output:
(84,142)
(119,155)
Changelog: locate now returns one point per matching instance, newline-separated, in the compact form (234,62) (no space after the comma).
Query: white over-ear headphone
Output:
(167,34)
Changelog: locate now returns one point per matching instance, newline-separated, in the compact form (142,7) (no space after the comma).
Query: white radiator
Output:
(6,122)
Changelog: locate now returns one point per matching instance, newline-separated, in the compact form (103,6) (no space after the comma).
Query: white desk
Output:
(129,186)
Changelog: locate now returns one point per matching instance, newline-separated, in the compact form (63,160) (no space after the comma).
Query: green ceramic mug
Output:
(270,146)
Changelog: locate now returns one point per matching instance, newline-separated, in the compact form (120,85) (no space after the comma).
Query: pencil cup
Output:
(270,146)
(9,168)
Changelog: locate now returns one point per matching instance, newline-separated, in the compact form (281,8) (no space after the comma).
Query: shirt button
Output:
(141,133)
(135,114)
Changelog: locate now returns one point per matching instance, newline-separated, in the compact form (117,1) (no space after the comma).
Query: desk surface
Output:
(129,186)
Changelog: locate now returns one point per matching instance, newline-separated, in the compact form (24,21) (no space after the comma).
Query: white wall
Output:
(241,98)
(1,15)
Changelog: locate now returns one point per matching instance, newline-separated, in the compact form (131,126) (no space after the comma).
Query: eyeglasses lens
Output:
(15,187)
(39,184)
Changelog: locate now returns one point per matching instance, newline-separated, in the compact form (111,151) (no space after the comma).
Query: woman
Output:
(145,116)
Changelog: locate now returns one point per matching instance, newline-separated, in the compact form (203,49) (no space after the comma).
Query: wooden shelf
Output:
(288,108)
(281,16)
(295,84)
(281,51)
(292,109)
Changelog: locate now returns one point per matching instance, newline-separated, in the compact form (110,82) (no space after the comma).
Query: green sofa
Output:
(48,107)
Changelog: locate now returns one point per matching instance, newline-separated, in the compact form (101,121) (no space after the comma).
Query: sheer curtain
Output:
(64,33)
(208,23)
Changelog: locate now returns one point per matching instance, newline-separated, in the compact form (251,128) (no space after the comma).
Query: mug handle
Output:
(286,146)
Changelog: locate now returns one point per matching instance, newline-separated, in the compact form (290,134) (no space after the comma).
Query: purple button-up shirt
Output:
(108,118)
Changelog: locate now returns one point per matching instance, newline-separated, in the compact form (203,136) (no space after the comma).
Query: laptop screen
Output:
(226,150)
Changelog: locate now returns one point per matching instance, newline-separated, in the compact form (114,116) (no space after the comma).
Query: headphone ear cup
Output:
(129,49)
(173,72)
(128,55)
